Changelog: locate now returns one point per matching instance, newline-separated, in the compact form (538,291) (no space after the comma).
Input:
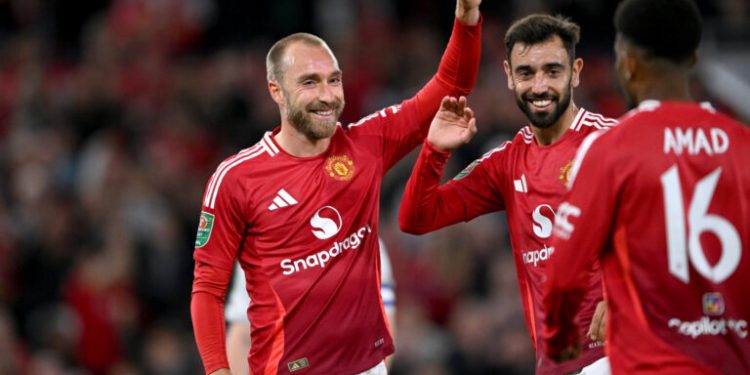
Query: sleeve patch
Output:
(205,225)
(467,170)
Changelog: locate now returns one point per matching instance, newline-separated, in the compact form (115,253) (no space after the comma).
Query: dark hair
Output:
(669,29)
(537,28)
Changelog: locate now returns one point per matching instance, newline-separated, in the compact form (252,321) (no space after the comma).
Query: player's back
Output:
(679,274)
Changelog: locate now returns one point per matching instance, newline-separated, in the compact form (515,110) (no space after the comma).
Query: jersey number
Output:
(698,221)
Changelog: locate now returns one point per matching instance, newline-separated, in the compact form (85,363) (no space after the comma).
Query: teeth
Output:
(541,103)
(325,113)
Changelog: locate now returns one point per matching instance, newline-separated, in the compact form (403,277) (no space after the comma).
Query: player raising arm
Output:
(663,201)
(299,211)
(525,177)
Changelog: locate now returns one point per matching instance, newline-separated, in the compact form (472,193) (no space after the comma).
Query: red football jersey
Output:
(305,231)
(528,181)
(663,201)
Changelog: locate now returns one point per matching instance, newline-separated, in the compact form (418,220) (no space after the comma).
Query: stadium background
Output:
(114,113)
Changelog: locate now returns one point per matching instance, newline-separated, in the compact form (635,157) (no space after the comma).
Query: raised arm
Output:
(427,206)
(400,128)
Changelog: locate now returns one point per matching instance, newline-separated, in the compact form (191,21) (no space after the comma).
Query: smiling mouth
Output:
(540,104)
(323,113)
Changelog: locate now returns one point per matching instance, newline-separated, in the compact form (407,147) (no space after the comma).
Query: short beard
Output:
(301,119)
(544,120)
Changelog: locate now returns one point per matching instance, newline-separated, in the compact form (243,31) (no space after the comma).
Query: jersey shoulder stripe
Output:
(264,146)
(497,149)
(593,120)
(526,134)
(394,109)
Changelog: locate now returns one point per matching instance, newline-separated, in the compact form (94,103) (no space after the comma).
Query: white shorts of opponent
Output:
(600,367)
(379,369)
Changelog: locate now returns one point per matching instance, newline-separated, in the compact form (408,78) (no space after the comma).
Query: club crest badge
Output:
(340,168)
(565,171)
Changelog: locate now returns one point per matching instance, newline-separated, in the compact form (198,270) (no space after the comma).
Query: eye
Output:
(554,73)
(335,81)
(525,74)
(308,83)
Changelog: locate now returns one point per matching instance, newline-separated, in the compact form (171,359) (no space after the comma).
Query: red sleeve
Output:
(399,129)
(207,311)
(582,230)
(426,206)
(457,73)
(222,223)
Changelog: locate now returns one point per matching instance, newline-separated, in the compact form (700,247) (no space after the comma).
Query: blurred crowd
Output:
(114,113)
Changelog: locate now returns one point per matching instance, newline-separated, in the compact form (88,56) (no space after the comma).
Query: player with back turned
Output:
(663,201)
(299,211)
(525,176)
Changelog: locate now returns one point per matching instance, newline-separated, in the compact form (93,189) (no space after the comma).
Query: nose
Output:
(327,93)
(540,84)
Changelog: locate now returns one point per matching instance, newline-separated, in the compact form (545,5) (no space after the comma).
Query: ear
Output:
(509,74)
(575,78)
(693,59)
(276,93)
(631,66)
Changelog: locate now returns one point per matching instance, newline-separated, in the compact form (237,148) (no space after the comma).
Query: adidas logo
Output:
(282,199)
(520,185)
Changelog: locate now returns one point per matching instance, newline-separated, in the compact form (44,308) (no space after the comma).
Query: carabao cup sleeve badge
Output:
(205,225)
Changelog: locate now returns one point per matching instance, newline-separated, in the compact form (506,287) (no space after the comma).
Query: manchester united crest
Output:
(340,168)
(565,172)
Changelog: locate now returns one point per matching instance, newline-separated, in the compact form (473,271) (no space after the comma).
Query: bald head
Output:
(277,59)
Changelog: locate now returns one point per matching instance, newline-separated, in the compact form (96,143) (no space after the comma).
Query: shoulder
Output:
(249,157)
(586,121)
(375,118)
(521,140)
(240,164)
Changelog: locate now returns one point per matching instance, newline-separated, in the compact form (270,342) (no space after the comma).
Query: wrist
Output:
(467,16)
(437,150)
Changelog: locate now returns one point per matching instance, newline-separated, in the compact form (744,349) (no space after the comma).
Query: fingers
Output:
(472,127)
(597,328)
(459,106)
(445,104)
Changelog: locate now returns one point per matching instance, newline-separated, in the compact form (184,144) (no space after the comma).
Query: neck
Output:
(665,85)
(548,136)
(297,144)
(665,92)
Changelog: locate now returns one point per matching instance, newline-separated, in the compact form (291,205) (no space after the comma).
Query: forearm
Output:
(238,345)
(207,312)
(426,206)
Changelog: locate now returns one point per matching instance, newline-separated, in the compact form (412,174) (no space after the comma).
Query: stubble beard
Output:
(302,120)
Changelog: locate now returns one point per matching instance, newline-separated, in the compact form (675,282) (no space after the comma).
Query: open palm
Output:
(453,125)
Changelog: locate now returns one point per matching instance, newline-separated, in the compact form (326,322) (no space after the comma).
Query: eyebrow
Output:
(547,66)
(317,76)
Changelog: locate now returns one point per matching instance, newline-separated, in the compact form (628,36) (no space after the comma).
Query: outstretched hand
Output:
(453,125)
(467,11)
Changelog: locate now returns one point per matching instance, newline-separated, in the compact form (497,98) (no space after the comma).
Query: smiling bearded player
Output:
(299,211)
(525,177)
